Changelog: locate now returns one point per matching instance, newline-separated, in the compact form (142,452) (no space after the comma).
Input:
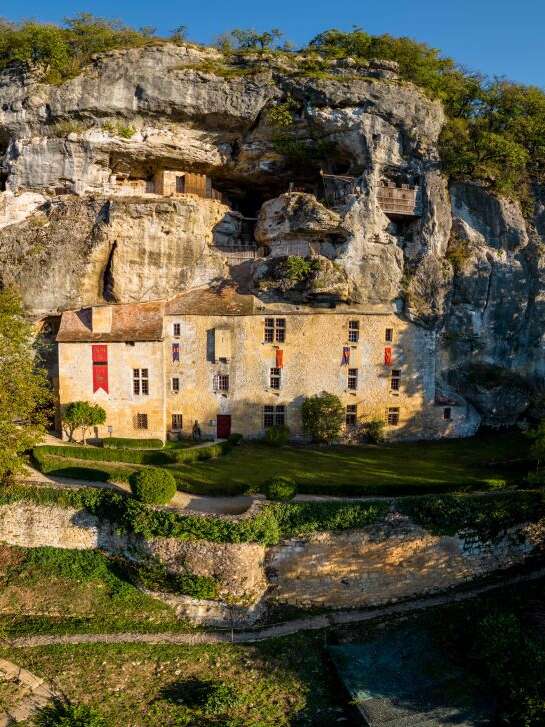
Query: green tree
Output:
(323,417)
(249,39)
(82,415)
(24,392)
(537,436)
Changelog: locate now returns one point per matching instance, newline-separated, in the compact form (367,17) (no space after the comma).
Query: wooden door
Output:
(223,426)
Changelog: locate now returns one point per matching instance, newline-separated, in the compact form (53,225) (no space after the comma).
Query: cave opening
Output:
(3,181)
(108,277)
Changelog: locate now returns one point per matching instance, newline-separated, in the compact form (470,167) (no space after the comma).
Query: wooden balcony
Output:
(402,201)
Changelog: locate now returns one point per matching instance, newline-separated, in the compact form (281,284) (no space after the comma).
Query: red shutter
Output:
(100,353)
(279,358)
(100,367)
(388,356)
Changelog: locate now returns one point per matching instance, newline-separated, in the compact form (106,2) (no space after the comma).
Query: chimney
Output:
(101,319)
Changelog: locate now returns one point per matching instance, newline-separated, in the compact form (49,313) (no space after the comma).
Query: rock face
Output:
(465,263)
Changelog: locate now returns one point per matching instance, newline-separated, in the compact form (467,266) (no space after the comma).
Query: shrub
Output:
(278,435)
(64,714)
(221,698)
(153,486)
(126,443)
(235,439)
(374,431)
(281,489)
(323,417)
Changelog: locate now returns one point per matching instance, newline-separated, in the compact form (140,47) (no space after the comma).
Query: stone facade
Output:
(234,364)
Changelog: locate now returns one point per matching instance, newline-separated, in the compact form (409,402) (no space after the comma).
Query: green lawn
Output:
(484,462)
(464,464)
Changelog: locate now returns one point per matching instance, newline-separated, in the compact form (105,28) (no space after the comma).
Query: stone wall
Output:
(373,566)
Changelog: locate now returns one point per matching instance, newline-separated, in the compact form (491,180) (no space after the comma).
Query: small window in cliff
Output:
(353,331)
(141,421)
(395,379)
(351,416)
(392,416)
(389,335)
(447,413)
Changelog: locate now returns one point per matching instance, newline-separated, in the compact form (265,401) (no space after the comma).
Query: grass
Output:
(480,463)
(282,683)
(44,590)
(396,469)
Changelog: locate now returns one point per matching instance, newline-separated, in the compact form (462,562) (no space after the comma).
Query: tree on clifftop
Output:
(24,393)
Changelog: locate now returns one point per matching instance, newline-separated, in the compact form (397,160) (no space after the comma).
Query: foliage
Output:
(248,39)
(63,128)
(61,52)
(277,435)
(136,456)
(297,268)
(297,519)
(64,714)
(458,254)
(235,439)
(24,394)
(487,516)
(374,430)
(153,576)
(496,129)
(82,415)
(281,489)
(221,698)
(116,128)
(153,485)
(537,436)
(127,443)
(323,417)
(280,116)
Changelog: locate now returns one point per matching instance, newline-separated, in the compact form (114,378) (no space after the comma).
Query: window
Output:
(176,422)
(140,382)
(176,330)
(175,351)
(274,416)
(275,378)
(141,421)
(389,335)
(447,413)
(395,378)
(351,415)
(353,331)
(275,330)
(175,384)
(352,379)
(393,416)
(180,185)
(222,382)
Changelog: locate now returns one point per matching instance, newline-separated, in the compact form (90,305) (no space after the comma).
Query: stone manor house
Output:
(235,364)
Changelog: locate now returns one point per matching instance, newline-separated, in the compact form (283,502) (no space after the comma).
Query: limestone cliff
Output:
(80,220)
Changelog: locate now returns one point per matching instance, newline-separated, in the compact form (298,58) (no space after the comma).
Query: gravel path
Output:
(311,623)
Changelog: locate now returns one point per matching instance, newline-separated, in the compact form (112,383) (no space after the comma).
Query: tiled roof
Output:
(214,301)
(130,322)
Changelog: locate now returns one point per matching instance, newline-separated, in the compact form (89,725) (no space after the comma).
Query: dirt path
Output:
(312,623)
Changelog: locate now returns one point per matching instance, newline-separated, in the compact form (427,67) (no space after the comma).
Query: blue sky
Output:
(494,36)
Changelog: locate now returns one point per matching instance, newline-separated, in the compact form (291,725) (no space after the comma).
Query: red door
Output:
(223,426)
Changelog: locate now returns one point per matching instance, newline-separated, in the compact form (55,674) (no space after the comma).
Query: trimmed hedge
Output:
(281,489)
(135,456)
(153,485)
(126,443)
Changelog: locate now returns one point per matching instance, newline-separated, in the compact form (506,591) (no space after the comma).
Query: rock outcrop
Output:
(463,262)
